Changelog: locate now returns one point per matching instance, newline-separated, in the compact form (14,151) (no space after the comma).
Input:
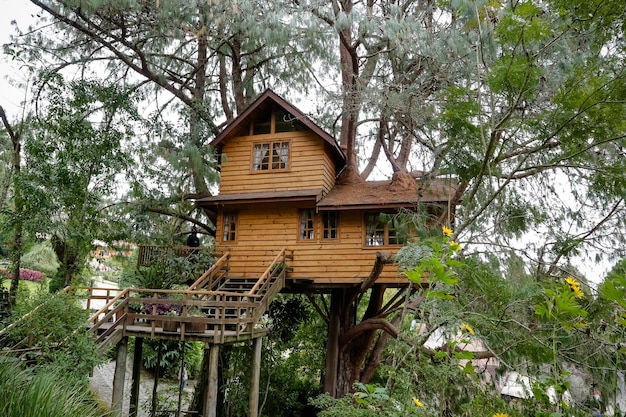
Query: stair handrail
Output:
(268,271)
(94,317)
(210,273)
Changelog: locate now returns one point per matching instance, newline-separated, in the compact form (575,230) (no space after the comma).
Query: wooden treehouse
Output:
(283,223)
(278,191)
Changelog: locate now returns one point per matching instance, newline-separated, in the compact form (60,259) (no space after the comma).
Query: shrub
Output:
(29,394)
(25,274)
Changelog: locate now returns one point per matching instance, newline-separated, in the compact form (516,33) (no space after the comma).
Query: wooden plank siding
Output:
(310,167)
(263,230)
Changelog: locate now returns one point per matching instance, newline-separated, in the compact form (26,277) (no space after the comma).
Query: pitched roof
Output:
(385,194)
(265,101)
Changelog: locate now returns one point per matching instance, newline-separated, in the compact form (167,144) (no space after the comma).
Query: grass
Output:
(32,287)
(45,393)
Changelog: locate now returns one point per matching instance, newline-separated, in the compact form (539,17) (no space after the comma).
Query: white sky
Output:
(23,12)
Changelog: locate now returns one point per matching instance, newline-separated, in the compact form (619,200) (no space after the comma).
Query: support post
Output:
(210,403)
(133,408)
(253,400)
(119,376)
(332,349)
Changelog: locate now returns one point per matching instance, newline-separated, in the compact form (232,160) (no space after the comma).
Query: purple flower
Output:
(25,274)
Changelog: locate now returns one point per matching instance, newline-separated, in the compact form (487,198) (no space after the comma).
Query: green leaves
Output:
(562,307)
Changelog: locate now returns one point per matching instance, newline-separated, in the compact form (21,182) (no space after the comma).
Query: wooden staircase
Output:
(215,309)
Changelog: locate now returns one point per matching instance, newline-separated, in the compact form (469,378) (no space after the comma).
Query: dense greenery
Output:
(519,102)
(48,393)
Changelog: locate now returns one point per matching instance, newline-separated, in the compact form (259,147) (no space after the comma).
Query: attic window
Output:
(277,121)
(268,156)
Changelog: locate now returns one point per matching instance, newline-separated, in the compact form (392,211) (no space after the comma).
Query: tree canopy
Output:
(520,102)
(516,100)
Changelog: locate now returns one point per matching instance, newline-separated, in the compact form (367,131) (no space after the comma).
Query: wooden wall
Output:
(310,166)
(262,231)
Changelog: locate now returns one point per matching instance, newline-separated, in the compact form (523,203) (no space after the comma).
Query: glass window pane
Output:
(374,231)
(307,224)
(230,226)
(331,224)
(261,157)
(280,155)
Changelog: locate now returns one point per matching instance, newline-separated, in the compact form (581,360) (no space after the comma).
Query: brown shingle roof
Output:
(385,194)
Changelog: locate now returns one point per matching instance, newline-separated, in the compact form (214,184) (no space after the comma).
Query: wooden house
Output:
(278,190)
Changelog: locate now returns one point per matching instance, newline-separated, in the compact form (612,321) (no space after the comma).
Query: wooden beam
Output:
(210,403)
(118,377)
(133,408)
(253,400)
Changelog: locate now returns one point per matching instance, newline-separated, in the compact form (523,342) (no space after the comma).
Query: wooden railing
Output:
(271,282)
(221,314)
(277,264)
(215,275)
(149,255)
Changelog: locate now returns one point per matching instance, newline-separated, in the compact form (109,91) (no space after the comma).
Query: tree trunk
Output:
(342,316)
(354,350)
(18,207)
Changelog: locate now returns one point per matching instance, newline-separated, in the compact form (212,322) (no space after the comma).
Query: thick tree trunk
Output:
(349,349)
(353,350)
(339,373)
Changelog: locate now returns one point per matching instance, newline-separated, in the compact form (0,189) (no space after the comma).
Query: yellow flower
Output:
(446,231)
(417,402)
(455,246)
(467,328)
(575,287)
(500,415)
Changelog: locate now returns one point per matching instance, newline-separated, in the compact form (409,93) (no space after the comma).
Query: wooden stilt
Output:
(133,408)
(253,400)
(155,386)
(332,349)
(119,376)
(210,404)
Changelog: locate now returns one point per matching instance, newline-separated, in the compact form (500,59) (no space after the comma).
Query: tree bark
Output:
(352,347)
(18,206)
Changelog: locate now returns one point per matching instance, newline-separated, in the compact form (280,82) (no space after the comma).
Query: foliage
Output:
(56,326)
(45,393)
(73,154)
(25,274)
(291,368)
(166,402)
(41,257)
(168,271)
(170,356)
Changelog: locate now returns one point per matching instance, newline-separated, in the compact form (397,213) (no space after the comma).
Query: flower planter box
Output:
(195,327)
(170,326)
(130,318)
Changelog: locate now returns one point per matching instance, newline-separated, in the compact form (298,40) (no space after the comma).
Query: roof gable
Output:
(265,101)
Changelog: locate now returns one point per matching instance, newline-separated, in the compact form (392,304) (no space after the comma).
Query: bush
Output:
(50,394)
(25,274)
(41,257)
(57,327)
